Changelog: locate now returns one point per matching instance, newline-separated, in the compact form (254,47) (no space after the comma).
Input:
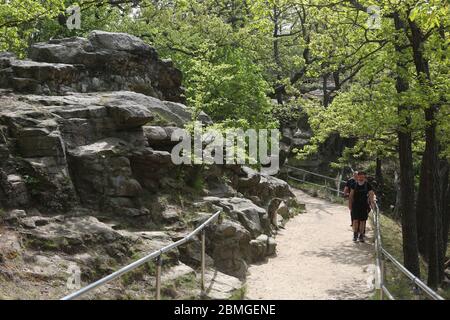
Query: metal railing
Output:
(152,256)
(305,173)
(381,255)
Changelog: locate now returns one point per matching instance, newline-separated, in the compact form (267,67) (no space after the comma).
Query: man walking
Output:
(361,199)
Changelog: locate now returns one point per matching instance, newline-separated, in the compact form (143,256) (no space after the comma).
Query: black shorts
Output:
(360,213)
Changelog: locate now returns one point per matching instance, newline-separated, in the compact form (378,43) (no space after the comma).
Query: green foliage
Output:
(239,294)
(20,20)
(233,55)
(197,182)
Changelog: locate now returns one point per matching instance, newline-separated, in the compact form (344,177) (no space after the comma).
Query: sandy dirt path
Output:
(316,258)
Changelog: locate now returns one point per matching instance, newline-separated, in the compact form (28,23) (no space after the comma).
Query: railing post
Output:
(158,277)
(203,260)
(338,183)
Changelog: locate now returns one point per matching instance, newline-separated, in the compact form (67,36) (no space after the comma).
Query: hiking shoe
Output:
(361,238)
(355,238)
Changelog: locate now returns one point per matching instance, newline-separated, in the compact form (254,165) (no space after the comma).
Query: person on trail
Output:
(361,200)
(349,185)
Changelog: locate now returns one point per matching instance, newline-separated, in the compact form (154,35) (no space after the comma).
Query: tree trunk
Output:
(445,202)
(408,214)
(326,98)
(432,210)
(421,210)
(435,232)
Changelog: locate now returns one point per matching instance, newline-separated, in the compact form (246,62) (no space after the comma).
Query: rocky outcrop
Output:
(264,187)
(102,62)
(296,133)
(86,174)
(254,219)
(80,148)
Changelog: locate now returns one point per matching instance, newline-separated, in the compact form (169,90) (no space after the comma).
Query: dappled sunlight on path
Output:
(316,258)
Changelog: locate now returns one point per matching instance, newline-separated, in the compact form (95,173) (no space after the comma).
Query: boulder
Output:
(252,183)
(160,137)
(228,245)
(13,190)
(129,116)
(283,210)
(255,219)
(71,235)
(262,247)
(102,175)
(178,271)
(120,42)
(190,254)
(13,215)
(105,61)
(150,167)
(222,286)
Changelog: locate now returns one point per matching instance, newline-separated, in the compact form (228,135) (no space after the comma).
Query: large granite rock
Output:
(252,217)
(103,177)
(103,62)
(229,246)
(262,247)
(265,187)
(88,146)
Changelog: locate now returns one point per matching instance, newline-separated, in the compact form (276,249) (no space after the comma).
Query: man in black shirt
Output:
(361,199)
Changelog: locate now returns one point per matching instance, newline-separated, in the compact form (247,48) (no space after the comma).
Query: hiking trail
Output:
(316,258)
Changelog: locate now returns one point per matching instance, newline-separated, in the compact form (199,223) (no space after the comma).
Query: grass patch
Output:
(239,294)
(138,274)
(181,288)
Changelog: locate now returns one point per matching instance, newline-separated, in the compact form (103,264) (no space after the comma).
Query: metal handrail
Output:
(154,255)
(314,173)
(337,181)
(381,253)
(316,184)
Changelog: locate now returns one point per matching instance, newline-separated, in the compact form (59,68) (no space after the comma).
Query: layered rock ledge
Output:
(86,175)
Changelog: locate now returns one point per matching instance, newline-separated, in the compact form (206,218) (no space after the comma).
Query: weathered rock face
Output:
(253,218)
(88,149)
(296,134)
(229,246)
(85,141)
(252,183)
(103,62)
